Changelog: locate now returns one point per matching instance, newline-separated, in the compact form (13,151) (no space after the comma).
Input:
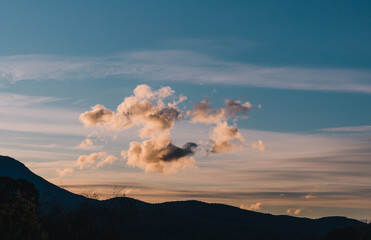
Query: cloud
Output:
(366,128)
(64,172)
(174,152)
(295,211)
(107,160)
(252,207)
(225,138)
(310,196)
(97,114)
(259,145)
(183,66)
(18,100)
(96,160)
(147,110)
(368,221)
(155,113)
(23,113)
(205,113)
(86,143)
(160,155)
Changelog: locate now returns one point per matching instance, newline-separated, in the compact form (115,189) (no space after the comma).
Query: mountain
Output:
(127,218)
(50,194)
(199,220)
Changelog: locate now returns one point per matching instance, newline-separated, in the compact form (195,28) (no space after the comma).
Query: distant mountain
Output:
(127,218)
(199,220)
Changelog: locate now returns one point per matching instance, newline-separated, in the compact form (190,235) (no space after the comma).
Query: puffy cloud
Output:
(205,113)
(252,207)
(64,172)
(86,143)
(173,152)
(98,114)
(225,138)
(107,160)
(368,221)
(155,117)
(98,159)
(160,155)
(295,211)
(259,145)
(144,91)
(298,211)
(146,108)
(235,107)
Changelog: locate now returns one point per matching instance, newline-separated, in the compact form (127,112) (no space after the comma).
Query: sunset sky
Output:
(274,95)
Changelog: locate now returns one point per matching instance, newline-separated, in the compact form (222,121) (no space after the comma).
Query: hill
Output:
(71,216)
(50,194)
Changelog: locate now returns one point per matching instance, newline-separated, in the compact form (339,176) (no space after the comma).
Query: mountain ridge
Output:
(191,219)
(50,194)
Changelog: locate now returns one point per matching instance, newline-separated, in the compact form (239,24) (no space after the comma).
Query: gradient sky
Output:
(307,64)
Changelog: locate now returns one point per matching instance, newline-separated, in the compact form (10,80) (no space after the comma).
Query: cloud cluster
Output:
(147,109)
(155,113)
(224,137)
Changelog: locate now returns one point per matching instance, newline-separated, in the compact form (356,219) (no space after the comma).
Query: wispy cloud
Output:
(310,196)
(19,100)
(294,170)
(348,129)
(182,66)
(24,113)
(64,172)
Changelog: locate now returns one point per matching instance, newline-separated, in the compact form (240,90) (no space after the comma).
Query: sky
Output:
(263,105)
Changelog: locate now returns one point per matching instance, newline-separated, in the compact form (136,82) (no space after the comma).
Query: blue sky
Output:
(273,33)
(308,64)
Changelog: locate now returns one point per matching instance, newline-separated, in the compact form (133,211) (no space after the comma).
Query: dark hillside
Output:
(71,216)
(50,194)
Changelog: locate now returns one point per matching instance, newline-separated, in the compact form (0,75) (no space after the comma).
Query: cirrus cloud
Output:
(183,66)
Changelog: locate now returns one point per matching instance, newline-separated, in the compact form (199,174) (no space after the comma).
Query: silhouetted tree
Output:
(19,200)
(92,220)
